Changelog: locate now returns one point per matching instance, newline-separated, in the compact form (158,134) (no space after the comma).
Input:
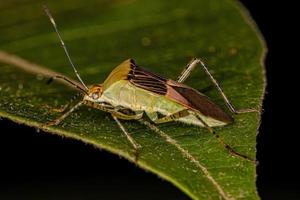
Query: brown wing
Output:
(138,76)
(147,80)
(197,101)
(175,91)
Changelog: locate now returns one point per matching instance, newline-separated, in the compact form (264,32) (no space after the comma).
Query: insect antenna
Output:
(67,80)
(47,11)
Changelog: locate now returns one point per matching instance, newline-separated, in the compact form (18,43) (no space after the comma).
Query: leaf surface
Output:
(161,36)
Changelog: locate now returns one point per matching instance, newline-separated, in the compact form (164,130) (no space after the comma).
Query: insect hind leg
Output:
(226,146)
(187,71)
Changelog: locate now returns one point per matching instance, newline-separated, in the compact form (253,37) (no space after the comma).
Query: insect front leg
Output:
(135,145)
(187,71)
(117,111)
(63,108)
(62,117)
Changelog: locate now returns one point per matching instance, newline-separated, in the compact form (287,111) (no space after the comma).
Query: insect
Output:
(130,92)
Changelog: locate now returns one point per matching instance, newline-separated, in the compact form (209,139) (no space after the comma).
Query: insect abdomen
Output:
(123,93)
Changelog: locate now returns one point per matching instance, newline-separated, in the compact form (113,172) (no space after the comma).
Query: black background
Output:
(42,166)
(278,143)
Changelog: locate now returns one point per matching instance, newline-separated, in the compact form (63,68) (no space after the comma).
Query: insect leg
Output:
(128,117)
(111,109)
(187,71)
(153,116)
(194,62)
(186,154)
(135,145)
(62,117)
(172,117)
(226,146)
(66,106)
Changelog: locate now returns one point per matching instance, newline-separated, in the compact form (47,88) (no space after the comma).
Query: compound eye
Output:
(95,95)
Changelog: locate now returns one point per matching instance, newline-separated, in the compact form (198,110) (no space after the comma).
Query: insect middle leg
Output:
(168,118)
(135,145)
(116,115)
(189,68)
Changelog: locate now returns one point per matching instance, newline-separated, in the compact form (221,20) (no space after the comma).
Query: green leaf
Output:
(162,36)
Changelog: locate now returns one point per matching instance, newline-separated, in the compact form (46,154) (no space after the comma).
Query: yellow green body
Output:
(123,93)
(118,91)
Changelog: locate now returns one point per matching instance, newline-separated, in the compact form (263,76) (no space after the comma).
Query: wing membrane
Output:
(147,80)
(202,103)
(175,91)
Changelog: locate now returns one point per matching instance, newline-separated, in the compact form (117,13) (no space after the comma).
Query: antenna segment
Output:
(63,44)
